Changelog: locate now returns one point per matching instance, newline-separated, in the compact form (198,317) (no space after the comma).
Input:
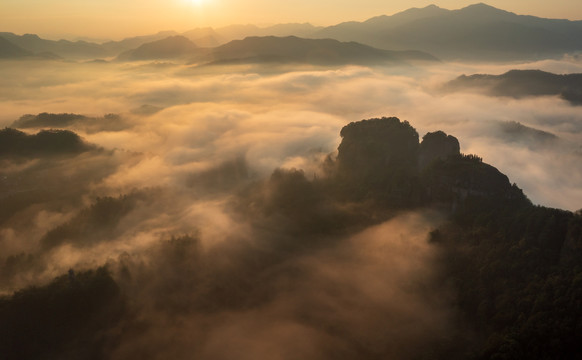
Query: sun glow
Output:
(196,2)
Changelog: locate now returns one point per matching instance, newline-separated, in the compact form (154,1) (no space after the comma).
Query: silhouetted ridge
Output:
(46,142)
(437,146)
(484,11)
(69,318)
(9,50)
(528,136)
(116,47)
(520,83)
(60,48)
(291,49)
(168,48)
(382,159)
(412,14)
(47,119)
(94,223)
(477,32)
(109,122)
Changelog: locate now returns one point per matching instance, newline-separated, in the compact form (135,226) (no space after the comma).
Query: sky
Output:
(115,19)
(217,254)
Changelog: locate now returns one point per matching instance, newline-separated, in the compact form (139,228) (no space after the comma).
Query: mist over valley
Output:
(406,187)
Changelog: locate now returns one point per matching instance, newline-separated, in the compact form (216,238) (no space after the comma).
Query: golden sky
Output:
(120,18)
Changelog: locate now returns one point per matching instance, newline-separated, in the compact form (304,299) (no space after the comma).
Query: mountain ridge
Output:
(10,50)
(61,48)
(174,46)
(310,51)
(475,32)
(522,83)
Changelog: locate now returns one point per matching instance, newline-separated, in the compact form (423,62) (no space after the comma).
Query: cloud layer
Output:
(211,246)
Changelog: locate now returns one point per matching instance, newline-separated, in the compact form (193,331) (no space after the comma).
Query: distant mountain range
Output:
(9,50)
(61,48)
(117,47)
(201,37)
(521,83)
(476,32)
(271,49)
(239,32)
(291,49)
(169,48)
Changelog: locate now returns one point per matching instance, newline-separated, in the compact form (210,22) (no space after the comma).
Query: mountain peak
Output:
(483,8)
(407,15)
(170,47)
(429,10)
(170,43)
(481,5)
(31,36)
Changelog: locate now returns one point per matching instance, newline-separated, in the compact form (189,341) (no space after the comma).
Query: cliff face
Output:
(515,266)
(379,149)
(458,179)
(381,159)
(437,146)
(378,158)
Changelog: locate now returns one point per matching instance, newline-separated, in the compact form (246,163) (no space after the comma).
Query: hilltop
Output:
(291,49)
(522,83)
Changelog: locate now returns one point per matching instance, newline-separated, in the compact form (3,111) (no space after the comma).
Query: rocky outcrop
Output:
(381,159)
(15,143)
(378,158)
(437,145)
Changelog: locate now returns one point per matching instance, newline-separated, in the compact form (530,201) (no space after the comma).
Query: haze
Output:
(402,188)
(111,19)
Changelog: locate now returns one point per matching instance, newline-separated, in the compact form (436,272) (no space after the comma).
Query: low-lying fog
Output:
(280,117)
(184,146)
